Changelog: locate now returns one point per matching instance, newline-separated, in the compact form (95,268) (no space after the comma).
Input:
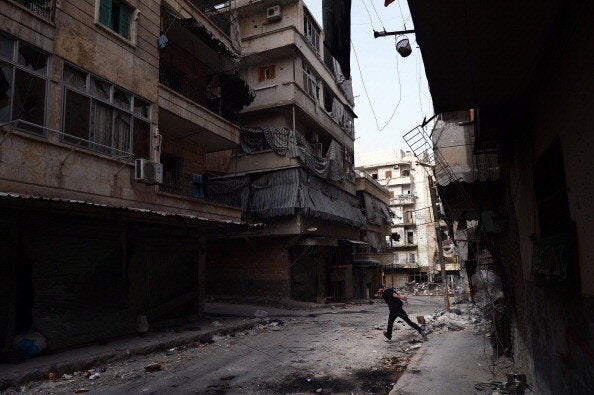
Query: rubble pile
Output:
(458,319)
(429,289)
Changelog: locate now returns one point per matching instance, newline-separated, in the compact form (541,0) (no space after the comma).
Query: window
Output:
(374,176)
(310,82)
(410,239)
(266,73)
(117,16)
(103,117)
(23,81)
(412,258)
(388,174)
(409,217)
(312,33)
(405,173)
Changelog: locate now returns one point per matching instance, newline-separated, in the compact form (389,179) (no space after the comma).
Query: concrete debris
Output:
(216,323)
(260,314)
(206,339)
(153,368)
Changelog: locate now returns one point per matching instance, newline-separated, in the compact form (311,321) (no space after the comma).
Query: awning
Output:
(366,262)
(57,205)
(318,241)
(209,39)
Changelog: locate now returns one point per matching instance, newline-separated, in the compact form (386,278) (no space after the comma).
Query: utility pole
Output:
(446,299)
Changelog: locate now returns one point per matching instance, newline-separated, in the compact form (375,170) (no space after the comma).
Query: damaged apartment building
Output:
(412,248)
(294,171)
(513,165)
(111,112)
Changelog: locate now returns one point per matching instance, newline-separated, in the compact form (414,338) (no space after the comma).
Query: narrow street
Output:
(335,350)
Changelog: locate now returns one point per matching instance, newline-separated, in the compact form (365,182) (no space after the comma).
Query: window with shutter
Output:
(105,12)
(117,16)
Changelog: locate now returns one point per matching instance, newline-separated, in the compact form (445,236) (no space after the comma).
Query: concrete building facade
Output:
(86,89)
(412,242)
(295,167)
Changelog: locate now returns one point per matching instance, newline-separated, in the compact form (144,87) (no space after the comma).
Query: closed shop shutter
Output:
(80,294)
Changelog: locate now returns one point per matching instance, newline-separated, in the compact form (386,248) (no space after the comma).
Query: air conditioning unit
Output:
(274,14)
(150,173)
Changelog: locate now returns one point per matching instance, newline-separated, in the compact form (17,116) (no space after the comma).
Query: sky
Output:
(393,82)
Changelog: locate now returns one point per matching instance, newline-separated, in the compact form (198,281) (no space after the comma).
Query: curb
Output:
(35,374)
(409,371)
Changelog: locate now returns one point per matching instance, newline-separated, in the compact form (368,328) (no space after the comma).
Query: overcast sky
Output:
(380,64)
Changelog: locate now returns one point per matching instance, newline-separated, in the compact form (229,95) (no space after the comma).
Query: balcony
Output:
(404,199)
(192,186)
(212,10)
(43,9)
(291,93)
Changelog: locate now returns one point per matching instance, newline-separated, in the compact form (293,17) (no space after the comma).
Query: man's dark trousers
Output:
(396,312)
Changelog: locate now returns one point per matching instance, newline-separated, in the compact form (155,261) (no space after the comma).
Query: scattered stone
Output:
(206,339)
(319,390)
(153,368)
(216,323)
(260,313)
(80,390)
(94,376)
(457,311)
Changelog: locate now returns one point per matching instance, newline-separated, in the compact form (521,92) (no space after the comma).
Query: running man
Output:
(395,303)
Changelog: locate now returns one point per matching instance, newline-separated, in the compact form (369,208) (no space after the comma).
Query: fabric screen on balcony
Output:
(291,191)
(377,211)
(283,140)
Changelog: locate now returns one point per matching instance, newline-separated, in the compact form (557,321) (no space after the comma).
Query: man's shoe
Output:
(389,337)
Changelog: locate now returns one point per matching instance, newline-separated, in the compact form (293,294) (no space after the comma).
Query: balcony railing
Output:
(44,9)
(212,10)
(403,199)
(194,186)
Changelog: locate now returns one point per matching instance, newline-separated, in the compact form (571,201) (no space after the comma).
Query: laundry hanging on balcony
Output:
(283,140)
(209,39)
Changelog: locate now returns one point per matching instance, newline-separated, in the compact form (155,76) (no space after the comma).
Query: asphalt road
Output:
(328,351)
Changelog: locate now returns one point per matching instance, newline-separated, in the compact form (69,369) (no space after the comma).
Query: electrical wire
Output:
(380,129)
(368,14)
(376,13)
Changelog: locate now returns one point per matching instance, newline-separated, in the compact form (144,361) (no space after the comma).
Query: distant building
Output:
(412,241)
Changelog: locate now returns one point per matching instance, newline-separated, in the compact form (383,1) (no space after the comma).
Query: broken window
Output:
(405,173)
(388,174)
(23,80)
(103,117)
(310,82)
(374,176)
(117,16)
(410,239)
(311,32)
(412,258)
(266,73)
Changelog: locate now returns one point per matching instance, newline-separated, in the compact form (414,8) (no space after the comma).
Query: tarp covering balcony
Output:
(377,211)
(283,140)
(208,37)
(292,191)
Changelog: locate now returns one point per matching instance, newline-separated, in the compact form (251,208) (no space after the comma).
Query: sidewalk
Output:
(230,317)
(449,363)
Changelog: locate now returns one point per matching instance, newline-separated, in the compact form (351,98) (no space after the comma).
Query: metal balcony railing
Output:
(194,186)
(45,9)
